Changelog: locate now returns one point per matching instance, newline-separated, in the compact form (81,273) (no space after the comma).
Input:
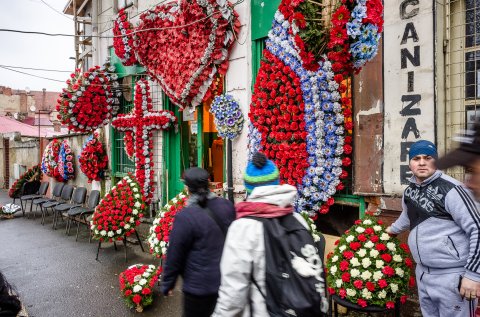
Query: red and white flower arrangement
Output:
(119,212)
(123,39)
(368,267)
(32,174)
(94,159)
(90,98)
(192,53)
(163,224)
(138,126)
(137,284)
(299,117)
(57,161)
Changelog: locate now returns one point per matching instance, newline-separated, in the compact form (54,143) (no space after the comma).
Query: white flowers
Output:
(342,248)
(369,244)
(354,262)
(366,294)
(362,252)
(360,229)
(338,283)
(377,228)
(354,273)
(384,237)
(382,294)
(374,253)
(397,258)
(391,246)
(351,292)
(335,258)
(377,275)
(366,275)
(333,269)
(137,288)
(366,263)
(399,272)
(394,287)
(367,222)
(379,264)
(350,238)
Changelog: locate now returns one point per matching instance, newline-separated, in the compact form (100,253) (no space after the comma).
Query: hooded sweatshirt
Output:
(444,225)
(244,251)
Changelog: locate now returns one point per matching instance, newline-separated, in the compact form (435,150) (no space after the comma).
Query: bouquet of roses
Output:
(50,157)
(370,267)
(32,174)
(93,159)
(136,285)
(228,116)
(163,223)
(119,212)
(90,98)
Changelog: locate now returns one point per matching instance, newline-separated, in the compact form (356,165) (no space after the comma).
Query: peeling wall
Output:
(23,151)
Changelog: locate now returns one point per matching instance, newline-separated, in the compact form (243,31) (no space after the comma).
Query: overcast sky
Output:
(35,51)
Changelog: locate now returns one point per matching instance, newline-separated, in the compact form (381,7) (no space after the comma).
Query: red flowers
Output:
(119,212)
(89,100)
(136,283)
(192,53)
(163,224)
(94,159)
(123,40)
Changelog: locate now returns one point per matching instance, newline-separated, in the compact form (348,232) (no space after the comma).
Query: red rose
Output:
(389,271)
(408,262)
(146,291)
(369,231)
(137,299)
(346,277)
(405,247)
(128,292)
(390,305)
(348,255)
(342,293)
(344,265)
(382,283)
(355,246)
(362,302)
(370,286)
(386,257)
(331,291)
(362,238)
(374,239)
(411,282)
(403,299)
(380,247)
(358,284)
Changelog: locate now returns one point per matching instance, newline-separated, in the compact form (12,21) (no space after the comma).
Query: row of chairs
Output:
(66,202)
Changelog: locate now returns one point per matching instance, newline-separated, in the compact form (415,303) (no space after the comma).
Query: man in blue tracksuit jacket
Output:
(444,236)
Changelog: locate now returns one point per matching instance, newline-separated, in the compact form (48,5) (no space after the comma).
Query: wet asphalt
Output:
(56,276)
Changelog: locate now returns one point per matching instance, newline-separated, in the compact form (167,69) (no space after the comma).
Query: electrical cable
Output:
(56,10)
(14,70)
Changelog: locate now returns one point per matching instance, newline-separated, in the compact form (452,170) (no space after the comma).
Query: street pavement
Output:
(56,276)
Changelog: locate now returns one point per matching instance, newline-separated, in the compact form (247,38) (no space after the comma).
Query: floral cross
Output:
(138,126)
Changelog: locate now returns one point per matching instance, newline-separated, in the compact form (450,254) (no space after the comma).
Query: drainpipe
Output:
(95,48)
(229,171)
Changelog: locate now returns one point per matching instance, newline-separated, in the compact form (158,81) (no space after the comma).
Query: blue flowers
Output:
(228,116)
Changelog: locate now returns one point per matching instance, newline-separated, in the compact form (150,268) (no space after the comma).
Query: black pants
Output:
(198,306)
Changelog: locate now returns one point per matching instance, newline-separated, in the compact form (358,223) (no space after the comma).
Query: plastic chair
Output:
(78,199)
(56,193)
(80,214)
(65,197)
(29,188)
(42,191)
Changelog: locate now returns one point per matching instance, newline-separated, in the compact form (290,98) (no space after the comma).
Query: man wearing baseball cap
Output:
(444,236)
(467,155)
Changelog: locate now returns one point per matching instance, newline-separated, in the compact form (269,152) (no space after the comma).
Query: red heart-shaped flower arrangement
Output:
(119,212)
(184,44)
(90,98)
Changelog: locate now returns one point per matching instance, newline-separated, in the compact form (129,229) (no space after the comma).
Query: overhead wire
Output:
(56,10)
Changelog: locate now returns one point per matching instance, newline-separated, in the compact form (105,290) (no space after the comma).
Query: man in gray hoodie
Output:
(444,236)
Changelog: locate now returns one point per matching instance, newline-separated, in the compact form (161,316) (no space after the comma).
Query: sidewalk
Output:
(56,276)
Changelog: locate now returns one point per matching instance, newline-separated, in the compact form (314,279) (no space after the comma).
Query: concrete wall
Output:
(23,151)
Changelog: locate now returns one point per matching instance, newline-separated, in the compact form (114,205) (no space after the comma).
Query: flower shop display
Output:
(90,98)
(123,40)
(370,267)
(163,223)
(137,284)
(57,161)
(119,212)
(32,174)
(93,160)
(192,52)
(301,115)
(228,116)
(138,126)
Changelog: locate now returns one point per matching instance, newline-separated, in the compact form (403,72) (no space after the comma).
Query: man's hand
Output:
(389,231)
(469,289)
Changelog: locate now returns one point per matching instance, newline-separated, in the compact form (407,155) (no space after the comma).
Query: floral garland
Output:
(192,53)
(228,116)
(119,212)
(137,284)
(90,98)
(94,159)
(34,173)
(370,267)
(138,125)
(65,170)
(123,39)
(50,157)
(298,110)
(163,223)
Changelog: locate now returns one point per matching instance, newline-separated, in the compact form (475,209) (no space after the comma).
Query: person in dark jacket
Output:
(196,244)
(10,305)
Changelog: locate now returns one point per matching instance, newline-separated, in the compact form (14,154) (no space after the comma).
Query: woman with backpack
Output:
(196,244)
(267,241)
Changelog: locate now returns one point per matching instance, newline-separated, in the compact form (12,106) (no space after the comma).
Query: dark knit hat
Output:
(466,153)
(260,172)
(196,179)
(422,147)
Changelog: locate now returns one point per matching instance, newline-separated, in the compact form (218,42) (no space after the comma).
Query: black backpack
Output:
(294,274)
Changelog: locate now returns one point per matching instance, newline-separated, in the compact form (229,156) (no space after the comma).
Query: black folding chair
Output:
(78,199)
(80,214)
(56,193)
(29,188)
(65,197)
(42,191)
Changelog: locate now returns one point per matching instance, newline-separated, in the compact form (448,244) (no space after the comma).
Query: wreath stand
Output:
(124,243)
(336,300)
